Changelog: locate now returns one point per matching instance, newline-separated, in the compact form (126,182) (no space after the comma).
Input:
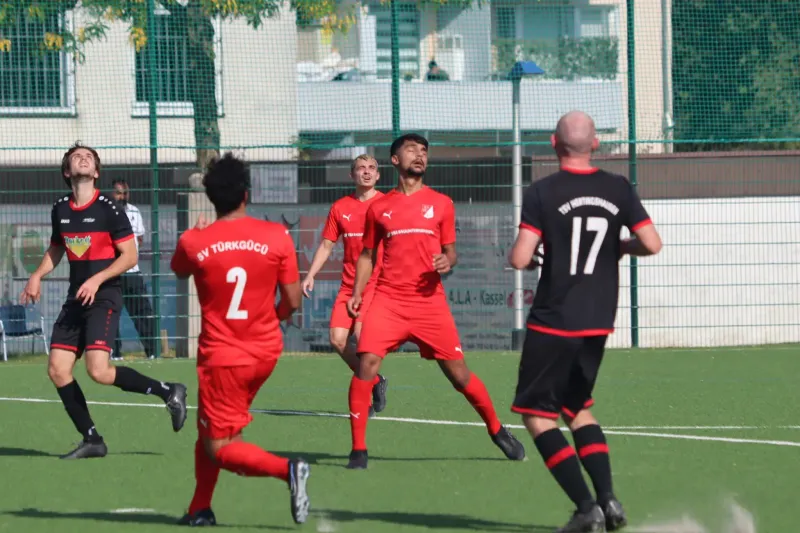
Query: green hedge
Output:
(564,59)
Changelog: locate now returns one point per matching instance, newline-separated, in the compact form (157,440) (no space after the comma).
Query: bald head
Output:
(575,134)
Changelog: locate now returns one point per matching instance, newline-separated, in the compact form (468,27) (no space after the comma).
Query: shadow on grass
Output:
(27,452)
(430,521)
(337,459)
(142,517)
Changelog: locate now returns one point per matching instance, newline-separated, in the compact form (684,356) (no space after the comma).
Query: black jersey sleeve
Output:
(119,227)
(637,215)
(55,236)
(531,218)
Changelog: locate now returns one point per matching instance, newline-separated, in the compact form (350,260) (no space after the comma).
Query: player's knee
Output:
(536,425)
(584,417)
(101,373)
(368,365)
(457,373)
(338,341)
(58,375)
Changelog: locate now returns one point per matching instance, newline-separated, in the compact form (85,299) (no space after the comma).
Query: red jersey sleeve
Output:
(373,233)
(447,228)
(331,230)
(181,264)
(288,273)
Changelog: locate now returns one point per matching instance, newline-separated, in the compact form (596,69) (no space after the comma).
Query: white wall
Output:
(729,274)
(259,91)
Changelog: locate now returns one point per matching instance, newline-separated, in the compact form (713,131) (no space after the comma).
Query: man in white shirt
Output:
(134,291)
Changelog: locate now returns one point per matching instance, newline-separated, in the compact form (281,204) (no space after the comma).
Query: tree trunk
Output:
(202,84)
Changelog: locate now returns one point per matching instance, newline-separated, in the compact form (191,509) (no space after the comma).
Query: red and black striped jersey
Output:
(579,215)
(89,234)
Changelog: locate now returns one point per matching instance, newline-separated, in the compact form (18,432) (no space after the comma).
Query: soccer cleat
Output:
(299,471)
(379,394)
(176,405)
(358,460)
(592,522)
(88,450)
(615,515)
(507,442)
(202,518)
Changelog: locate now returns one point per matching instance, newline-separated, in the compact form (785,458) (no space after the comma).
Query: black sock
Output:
(130,380)
(75,403)
(560,459)
(593,451)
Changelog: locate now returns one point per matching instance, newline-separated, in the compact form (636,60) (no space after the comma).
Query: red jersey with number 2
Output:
(346,219)
(237,266)
(412,229)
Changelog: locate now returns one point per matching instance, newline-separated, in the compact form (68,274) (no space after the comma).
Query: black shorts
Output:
(557,374)
(79,328)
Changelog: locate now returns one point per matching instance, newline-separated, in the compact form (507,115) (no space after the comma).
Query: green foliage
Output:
(565,59)
(736,73)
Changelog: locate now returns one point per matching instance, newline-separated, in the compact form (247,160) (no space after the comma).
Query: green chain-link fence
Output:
(697,102)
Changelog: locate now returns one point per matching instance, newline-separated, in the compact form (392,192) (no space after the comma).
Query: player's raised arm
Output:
(645,240)
(180,263)
(530,234)
(288,280)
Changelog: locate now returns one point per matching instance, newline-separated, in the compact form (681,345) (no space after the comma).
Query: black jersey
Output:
(579,216)
(89,234)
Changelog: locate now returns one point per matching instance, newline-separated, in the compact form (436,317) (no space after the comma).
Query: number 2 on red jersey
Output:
(237,275)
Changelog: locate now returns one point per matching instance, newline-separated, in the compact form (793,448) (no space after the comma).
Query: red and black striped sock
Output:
(593,452)
(561,460)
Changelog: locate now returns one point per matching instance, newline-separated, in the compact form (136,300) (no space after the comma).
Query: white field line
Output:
(611,430)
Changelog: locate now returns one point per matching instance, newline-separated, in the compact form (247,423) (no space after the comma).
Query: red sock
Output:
(205,474)
(247,459)
(359,398)
(478,396)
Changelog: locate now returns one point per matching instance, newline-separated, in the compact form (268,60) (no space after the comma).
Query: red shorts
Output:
(428,323)
(225,394)
(340,318)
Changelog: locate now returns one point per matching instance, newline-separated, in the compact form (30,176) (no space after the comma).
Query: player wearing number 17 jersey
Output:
(577,214)
(238,263)
(417,228)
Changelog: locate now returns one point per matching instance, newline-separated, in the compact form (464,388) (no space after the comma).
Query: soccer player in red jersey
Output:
(237,262)
(346,220)
(416,226)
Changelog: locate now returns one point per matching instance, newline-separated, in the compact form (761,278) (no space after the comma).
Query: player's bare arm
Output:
(291,297)
(521,255)
(645,241)
(32,291)
(446,260)
(364,267)
(127,259)
(322,254)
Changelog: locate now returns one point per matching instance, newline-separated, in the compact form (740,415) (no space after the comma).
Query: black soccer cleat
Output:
(379,394)
(615,515)
(592,522)
(176,405)
(299,472)
(202,518)
(358,460)
(88,450)
(507,442)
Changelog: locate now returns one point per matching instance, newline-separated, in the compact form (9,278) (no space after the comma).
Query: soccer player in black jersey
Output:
(98,240)
(577,214)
